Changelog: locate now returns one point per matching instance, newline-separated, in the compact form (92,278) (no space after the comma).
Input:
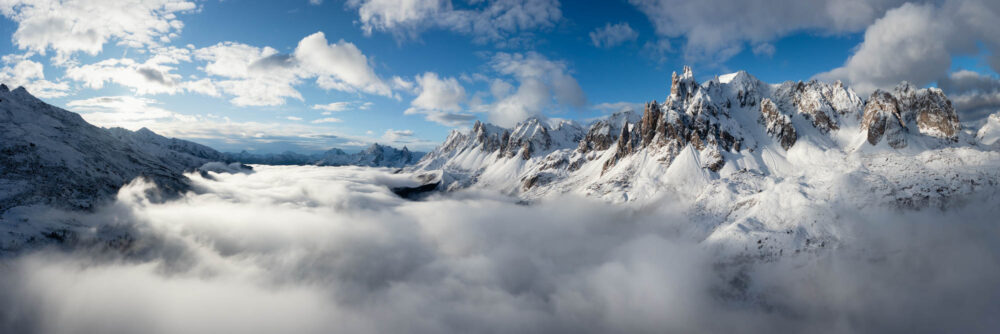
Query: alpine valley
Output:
(734,204)
(746,159)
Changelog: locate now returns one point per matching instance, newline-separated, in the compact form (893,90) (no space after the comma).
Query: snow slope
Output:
(749,160)
(52,156)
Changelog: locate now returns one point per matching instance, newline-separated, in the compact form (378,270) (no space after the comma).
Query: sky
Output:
(310,75)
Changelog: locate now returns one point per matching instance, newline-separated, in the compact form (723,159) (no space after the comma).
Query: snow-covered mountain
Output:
(729,126)
(374,156)
(745,159)
(52,156)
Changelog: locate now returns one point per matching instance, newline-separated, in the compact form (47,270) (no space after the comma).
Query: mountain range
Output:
(52,156)
(731,125)
(747,158)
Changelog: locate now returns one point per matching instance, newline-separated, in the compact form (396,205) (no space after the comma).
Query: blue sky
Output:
(271,76)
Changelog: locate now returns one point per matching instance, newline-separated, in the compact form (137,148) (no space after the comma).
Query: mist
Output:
(325,249)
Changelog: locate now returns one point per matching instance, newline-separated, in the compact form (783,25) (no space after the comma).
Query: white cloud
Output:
(21,71)
(907,44)
(542,84)
(438,94)
(293,118)
(916,43)
(154,76)
(265,77)
(397,136)
(764,49)
(488,21)
(439,100)
(326,120)
(339,66)
(254,76)
(612,35)
(332,106)
(715,30)
(74,26)
(342,106)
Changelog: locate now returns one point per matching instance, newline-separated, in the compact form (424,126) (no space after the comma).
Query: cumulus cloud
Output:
(719,29)
(18,70)
(612,35)
(251,74)
(154,76)
(264,77)
(542,83)
(67,27)
(340,66)
(327,120)
(916,42)
(397,136)
(439,100)
(975,96)
(342,106)
(313,249)
(498,21)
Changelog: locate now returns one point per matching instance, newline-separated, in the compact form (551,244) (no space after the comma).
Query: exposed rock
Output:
(777,124)
(882,119)
(652,120)
(624,148)
(935,115)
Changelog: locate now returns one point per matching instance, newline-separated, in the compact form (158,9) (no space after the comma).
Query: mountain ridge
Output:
(730,123)
(52,156)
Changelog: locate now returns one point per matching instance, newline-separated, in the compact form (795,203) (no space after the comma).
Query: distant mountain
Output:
(374,156)
(52,156)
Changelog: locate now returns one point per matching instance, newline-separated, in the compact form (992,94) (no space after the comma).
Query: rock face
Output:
(730,123)
(883,118)
(893,115)
(777,124)
(52,156)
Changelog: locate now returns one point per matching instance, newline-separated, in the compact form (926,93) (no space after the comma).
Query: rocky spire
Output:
(683,87)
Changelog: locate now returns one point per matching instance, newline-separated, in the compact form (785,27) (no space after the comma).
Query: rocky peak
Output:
(928,111)
(603,133)
(777,124)
(4,89)
(683,87)
(882,118)
(935,115)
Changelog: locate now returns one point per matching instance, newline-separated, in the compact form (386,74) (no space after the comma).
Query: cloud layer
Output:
(310,249)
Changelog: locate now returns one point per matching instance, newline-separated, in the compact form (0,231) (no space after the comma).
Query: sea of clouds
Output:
(332,249)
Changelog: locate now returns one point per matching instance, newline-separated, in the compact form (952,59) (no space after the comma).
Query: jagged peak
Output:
(4,89)
(688,74)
